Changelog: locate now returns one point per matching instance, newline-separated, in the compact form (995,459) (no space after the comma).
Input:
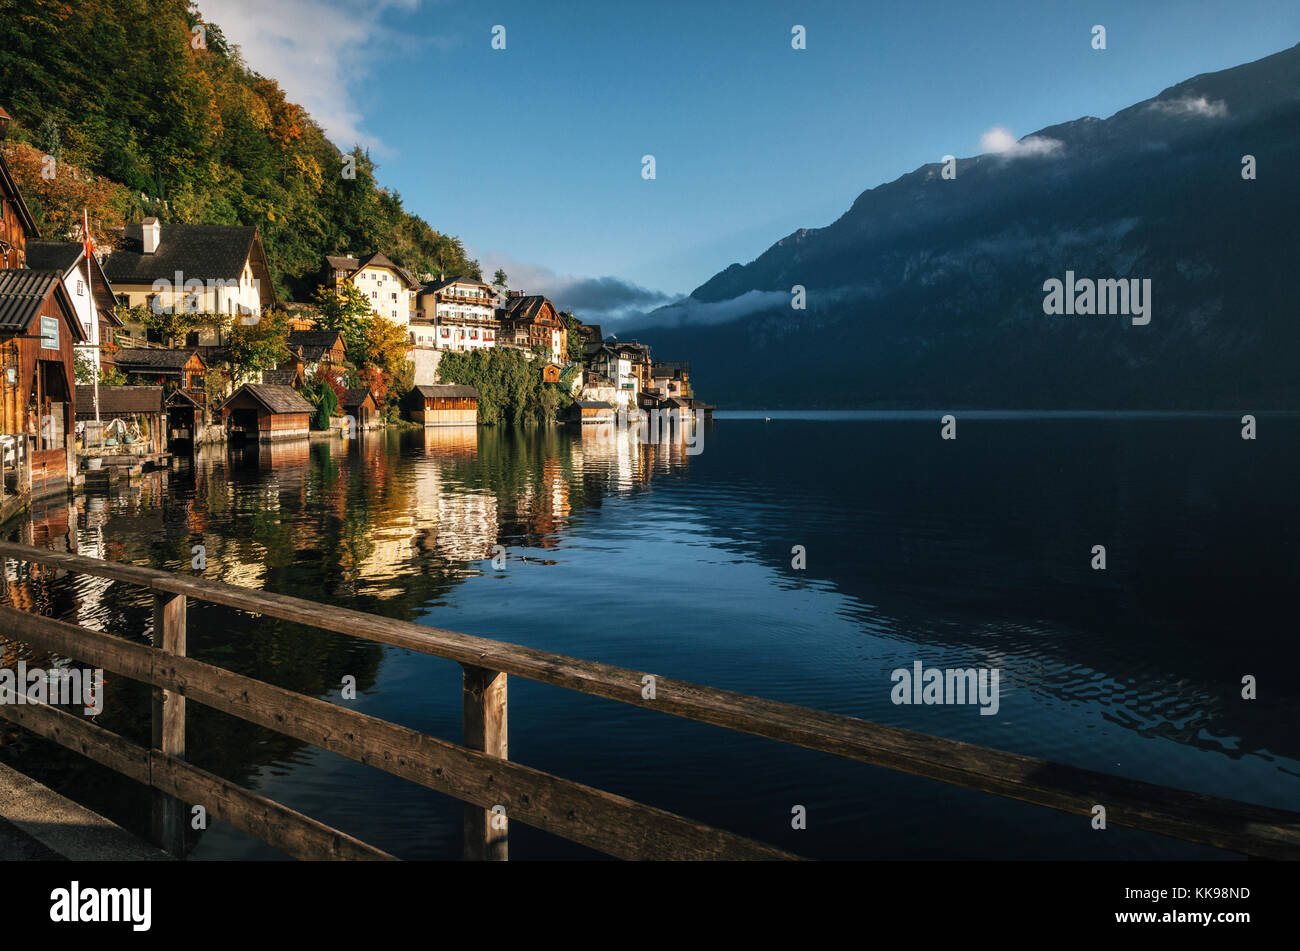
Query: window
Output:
(81,289)
(374,295)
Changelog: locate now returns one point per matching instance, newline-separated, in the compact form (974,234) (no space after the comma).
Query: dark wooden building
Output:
(443,405)
(266,412)
(591,411)
(38,330)
(185,421)
(170,369)
(360,405)
(317,347)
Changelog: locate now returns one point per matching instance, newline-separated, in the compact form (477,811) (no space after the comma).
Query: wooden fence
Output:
(478,771)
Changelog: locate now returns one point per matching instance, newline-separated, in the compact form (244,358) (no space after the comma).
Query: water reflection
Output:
(645,555)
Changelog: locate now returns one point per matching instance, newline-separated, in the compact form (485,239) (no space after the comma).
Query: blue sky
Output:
(532,154)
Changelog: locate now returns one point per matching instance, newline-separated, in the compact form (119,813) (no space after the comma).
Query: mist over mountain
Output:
(929,292)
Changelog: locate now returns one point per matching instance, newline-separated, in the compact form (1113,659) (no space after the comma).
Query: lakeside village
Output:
(114,359)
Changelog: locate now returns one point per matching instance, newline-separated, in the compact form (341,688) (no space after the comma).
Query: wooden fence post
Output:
(169,721)
(484,705)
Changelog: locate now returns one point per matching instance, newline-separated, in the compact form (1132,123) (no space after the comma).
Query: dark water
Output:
(967,553)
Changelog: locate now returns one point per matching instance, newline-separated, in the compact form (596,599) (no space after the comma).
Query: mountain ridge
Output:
(930,285)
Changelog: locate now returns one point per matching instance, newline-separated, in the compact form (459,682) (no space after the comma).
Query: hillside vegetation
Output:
(144,118)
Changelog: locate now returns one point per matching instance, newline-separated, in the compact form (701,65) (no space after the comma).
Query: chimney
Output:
(150,234)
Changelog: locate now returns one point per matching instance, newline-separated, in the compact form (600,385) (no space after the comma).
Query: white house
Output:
(457,313)
(391,289)
(92,295)
(198,269)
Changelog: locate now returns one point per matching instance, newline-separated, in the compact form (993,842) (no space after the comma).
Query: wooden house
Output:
(591,411)
(38,330)
(530,322)
(442,405)
(170,369)
(317,349)
(360,405)
(140,408)
(551,373)
(266,412)
(17,226)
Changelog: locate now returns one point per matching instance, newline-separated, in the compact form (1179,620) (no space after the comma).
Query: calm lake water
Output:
(967,553)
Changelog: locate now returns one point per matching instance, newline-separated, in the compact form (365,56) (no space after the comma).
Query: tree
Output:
(381,358)
(83,367)
(573,337)
(260,346)
(346,311)
(326,404)
(48,138)
(499,280)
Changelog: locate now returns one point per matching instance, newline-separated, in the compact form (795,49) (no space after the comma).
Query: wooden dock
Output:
(478,771)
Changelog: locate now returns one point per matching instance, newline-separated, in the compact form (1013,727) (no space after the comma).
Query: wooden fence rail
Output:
(479,772)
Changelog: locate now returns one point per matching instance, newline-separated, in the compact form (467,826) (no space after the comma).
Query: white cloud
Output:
(1000,141)
(690,311)
(320,52)
(1191,106)
(602,300)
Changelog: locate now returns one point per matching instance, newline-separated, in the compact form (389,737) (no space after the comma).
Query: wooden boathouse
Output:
(360,405)
(266,412)
(442,405)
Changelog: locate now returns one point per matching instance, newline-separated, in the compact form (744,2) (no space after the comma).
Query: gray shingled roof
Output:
(279,376)
(141,358)
(276,398)
(54,255)
(354,397)
(199,252)
(432,286)
(22,293)
(119,400)
(518,308)
(446,390)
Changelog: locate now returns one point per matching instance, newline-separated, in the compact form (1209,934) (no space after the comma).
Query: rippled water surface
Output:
(967,553)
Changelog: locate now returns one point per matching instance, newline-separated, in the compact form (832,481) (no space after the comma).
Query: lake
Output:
(975,552)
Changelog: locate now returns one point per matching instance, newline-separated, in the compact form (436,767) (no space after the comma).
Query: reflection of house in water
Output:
(451,520)
(283,455)
(450,440)
(544,512)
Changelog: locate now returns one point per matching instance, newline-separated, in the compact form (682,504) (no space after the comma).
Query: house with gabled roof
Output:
(217,270)
(38,330)
(170,369)
(317,347)
(448,404)
(531,321)
(266,412)
(90,290)
(391,288)
(455,313)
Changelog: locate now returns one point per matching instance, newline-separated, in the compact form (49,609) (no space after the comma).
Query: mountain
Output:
(147,110)
(929,292)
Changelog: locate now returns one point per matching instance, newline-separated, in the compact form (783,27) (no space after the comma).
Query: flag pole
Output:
(94,320)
